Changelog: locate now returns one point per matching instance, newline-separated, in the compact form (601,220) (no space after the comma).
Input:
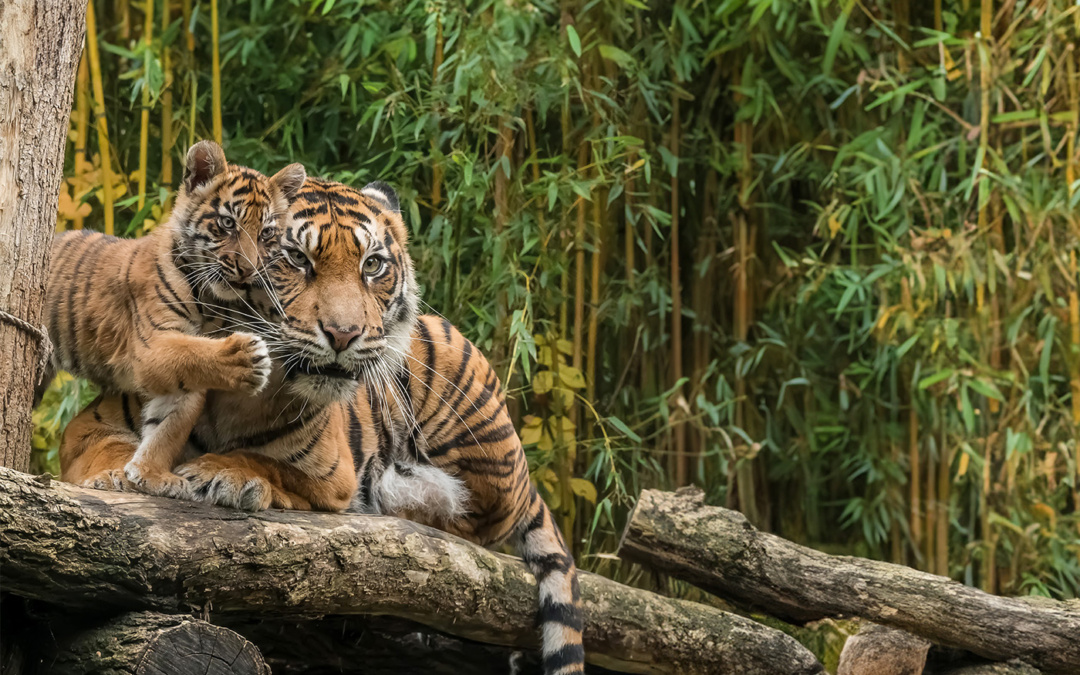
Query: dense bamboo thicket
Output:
(816,256)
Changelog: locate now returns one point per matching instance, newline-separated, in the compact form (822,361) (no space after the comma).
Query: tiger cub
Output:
(128,313)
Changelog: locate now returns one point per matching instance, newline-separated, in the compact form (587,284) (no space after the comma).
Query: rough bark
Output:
(89,549)
(40,44)
(718,550)
(149,643)
(879,650)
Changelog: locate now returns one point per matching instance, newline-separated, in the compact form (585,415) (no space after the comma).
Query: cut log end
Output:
(149,643)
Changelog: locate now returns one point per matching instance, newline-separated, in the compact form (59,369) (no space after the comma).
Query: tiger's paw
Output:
(232,487)
(245,363)
(156,482)
(112,480)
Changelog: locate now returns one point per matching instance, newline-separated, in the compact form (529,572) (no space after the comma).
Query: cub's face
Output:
(227,220)
(346,284)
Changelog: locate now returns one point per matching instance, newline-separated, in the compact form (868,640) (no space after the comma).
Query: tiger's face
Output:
(346,285)
(227,221)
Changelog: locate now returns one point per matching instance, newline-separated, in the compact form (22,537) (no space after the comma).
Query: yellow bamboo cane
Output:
(82,121)
(215,69)
(144,122)
(166,107)
(99,116)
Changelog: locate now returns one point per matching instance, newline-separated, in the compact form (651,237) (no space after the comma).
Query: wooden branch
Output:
(89,549)
(721,552)
(149,643)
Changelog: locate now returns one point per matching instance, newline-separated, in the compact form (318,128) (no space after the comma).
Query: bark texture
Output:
(718,550)
(40,44)
(149,643)
(879,650)
(89,549)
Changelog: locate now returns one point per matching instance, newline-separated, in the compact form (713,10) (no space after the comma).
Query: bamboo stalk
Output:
(166,107)
(744,135)
(914,471)
(189,63)
(1070,177)
(82,121)
(215,70)
(944,486)
(931,511)
(579,268)
(144,119)
(99,117)
(676,294)
(436,166)
(938,24)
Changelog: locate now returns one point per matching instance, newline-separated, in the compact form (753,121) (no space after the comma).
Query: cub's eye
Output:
(226,222)
(268,233)
(374,266)
(297,257)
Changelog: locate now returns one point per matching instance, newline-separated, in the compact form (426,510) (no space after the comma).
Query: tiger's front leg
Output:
(99,442)
(252,481)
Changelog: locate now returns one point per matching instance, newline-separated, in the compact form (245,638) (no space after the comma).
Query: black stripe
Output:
(562,613)
(271,435)
(302,453)
(567,655)
(128,419)
(180,309)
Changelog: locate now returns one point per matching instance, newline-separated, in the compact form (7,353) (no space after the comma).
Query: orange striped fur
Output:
(128,314)
(363,387)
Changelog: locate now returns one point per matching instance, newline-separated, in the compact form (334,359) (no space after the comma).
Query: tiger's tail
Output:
(539,542)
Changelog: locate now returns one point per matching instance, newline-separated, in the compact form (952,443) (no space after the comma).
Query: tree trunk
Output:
(148,643)
(720,551)
(91,550)
(40,44)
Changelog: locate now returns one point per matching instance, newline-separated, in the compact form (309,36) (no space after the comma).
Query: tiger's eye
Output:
(373,266)
(226,222)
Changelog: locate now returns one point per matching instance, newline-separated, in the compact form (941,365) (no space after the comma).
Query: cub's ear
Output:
(205,160)
(289,180)
(381,192)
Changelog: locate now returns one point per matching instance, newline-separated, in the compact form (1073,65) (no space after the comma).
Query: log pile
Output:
(125,583)
(718,550)
(92,551)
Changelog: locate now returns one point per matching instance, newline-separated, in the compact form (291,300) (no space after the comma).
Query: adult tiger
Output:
(406,400)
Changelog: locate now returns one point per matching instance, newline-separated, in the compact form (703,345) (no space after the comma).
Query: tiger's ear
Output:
(382,192)
(205,160)
(289,180)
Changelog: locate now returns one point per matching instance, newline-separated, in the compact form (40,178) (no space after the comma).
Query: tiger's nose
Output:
(340,338)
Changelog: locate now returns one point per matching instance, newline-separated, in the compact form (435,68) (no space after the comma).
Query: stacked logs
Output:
(721,552)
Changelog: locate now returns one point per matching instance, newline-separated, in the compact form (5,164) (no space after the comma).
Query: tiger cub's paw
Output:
(156,482)
(112,480)
(245,361)
(235,488)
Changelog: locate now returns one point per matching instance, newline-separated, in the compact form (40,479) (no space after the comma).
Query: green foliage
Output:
(903,270)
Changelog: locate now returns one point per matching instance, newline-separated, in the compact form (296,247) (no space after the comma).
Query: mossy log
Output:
(720,551)
(88,550)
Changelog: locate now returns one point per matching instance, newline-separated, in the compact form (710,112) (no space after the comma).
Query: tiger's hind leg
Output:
(167,422)
(97,444)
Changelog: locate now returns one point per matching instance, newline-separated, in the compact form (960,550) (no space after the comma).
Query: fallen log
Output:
(720,551)
(149,643)
(89,549)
